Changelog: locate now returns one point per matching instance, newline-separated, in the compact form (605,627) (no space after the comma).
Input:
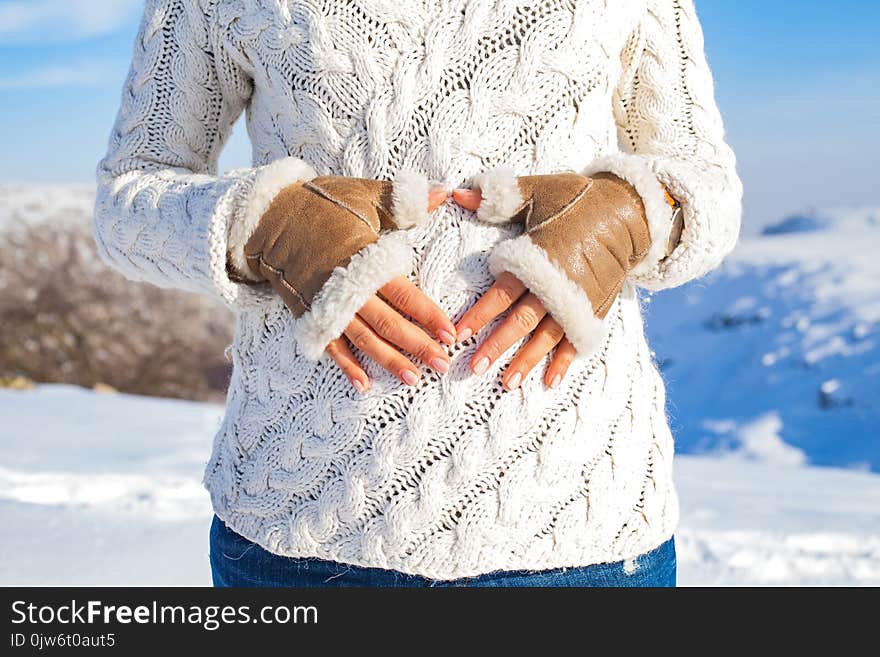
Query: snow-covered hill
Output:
(776,356)
(104,489)
(28,203)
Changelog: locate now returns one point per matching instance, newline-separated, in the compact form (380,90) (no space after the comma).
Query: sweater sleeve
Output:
(162,214)
(671,135)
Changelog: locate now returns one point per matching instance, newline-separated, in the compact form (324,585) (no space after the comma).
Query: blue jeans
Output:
(236,561)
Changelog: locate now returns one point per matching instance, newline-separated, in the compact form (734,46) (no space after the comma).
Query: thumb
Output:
(437,196)
(469,199)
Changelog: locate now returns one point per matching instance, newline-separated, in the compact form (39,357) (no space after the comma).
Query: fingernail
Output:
(464,334)
(439,364)
(514,381)
(557,379)
(446,337)
(409,377)
(482,365)
(358,385)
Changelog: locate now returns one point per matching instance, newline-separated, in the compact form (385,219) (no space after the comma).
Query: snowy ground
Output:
(104,489)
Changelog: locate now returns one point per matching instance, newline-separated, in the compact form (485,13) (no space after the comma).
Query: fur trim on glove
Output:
(348,289)
(409,199)
(638,171)
(566,302)
(501,195)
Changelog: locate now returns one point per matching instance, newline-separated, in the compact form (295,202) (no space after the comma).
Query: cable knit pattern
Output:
(453,477)
(670,126)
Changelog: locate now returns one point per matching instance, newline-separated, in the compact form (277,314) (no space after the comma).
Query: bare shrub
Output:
(66,317)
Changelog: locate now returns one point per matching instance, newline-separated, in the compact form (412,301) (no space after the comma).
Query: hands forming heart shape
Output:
(383,333)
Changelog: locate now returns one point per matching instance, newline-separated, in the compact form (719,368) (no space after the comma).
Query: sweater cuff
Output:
(639,171)
(348,288)
(564,299)
(270,180)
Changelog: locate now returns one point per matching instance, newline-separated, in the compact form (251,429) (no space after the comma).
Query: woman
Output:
(429,388)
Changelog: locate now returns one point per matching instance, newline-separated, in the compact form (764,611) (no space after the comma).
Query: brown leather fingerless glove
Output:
(582,238)
(328,243)
(311,228)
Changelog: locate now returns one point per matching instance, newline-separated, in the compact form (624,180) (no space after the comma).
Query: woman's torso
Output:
(456,476)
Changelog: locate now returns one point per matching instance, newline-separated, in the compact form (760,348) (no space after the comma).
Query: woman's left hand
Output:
(527,316)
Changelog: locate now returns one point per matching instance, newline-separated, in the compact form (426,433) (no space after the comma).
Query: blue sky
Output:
(798,83)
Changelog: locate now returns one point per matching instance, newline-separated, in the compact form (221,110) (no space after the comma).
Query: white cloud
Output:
(54,21)
(84,73)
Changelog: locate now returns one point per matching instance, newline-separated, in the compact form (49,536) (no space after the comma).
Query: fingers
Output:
(403,334)
(469,199)
(437,196)
(349,365)
(521,321)
(498,298)
(548,334)
(365,338)
(565,353)
(409,299)
(529,315)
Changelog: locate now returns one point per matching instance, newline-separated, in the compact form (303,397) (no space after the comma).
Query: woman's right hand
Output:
(382,333)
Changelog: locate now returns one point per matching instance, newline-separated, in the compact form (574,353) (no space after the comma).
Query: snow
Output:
(776,355)
(755,523)
(759,440)
(28,203)
(105,489)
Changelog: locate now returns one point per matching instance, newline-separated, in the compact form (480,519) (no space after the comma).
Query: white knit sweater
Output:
(454,477)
